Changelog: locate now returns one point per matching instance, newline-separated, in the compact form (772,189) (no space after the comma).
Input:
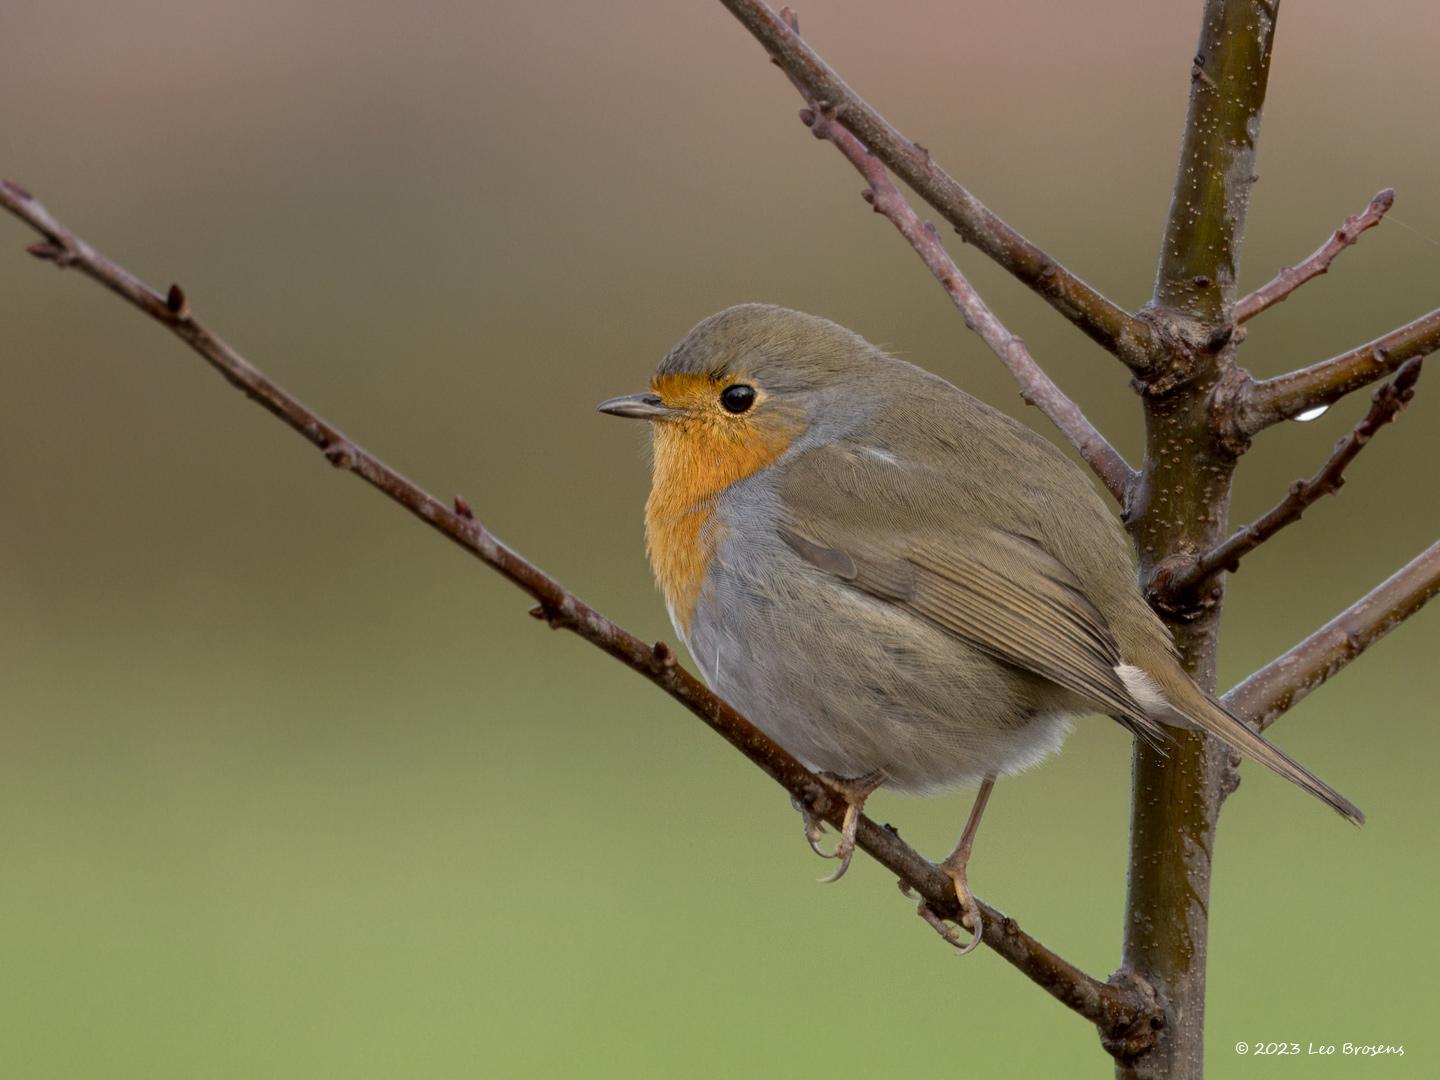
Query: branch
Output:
(1318,262)
(1175,796)
(1387,403)
(1116,1009)
(1281,684)
(1129,338)
(1036,387)
(1200,256)
(1285,397)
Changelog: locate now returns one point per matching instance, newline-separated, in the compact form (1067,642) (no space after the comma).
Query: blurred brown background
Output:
(291,788)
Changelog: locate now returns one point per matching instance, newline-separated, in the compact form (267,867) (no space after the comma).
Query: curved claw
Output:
(970,919)
(855,792)
(845,853)
(814,830)
(969,910)
(845,850)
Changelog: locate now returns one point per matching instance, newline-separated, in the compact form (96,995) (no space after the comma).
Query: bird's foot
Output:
(954,866)
(970,920)
(854,791)
(970,917)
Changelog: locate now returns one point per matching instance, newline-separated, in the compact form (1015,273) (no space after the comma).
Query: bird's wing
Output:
(997,590)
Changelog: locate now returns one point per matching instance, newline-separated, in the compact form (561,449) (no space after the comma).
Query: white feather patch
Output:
(880,455)
(1143,689)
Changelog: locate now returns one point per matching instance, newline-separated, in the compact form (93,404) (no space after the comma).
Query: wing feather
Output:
(998,591)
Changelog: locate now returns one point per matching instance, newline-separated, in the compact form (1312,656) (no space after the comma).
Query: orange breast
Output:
(695,460)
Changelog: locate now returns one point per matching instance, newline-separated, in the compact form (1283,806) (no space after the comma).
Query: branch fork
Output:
(1268,402)
(1176,583)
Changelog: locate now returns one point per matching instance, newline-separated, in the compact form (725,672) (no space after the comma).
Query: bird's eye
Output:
(737,398)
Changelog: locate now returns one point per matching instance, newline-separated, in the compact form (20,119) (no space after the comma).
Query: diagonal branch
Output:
(1124,1012)
(1387,404)
(1285,397)
(1129,338)
(1036,387)
(1281,684)
(1318,262)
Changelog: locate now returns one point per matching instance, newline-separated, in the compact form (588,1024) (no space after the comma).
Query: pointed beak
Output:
(638,407)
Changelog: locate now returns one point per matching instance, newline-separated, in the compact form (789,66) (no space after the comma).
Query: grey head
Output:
(805,368)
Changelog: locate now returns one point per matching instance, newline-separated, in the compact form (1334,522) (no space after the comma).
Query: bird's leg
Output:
(855,791)
(955,865)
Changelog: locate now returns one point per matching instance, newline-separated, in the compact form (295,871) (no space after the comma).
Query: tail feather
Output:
(1212,717)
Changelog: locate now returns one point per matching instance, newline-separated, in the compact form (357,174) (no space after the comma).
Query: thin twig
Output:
(1285,397)
(1114,1008)
(1129,338)
(1281,684)
(1386,405)
(1036,387)
(1318,262)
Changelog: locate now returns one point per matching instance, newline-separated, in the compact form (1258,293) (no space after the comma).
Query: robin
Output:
(897,583)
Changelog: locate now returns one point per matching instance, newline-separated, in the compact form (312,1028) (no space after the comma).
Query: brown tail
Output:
(1209,715)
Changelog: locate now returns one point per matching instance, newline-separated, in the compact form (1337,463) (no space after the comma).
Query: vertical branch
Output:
(1200,255)
(1180,507)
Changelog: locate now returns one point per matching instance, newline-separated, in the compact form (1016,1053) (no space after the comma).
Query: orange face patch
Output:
(697,456)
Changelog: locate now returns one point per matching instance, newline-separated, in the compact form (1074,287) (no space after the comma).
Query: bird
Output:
(901,585)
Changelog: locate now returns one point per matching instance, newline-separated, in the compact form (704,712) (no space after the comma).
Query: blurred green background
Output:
(292,788)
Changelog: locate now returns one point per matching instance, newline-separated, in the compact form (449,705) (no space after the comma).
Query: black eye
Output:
(737,398)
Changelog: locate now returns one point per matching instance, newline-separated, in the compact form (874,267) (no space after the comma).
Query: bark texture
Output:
(1182,506)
